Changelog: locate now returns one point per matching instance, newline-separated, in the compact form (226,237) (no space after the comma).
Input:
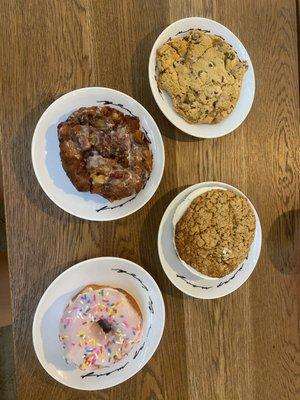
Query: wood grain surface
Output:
(244,346)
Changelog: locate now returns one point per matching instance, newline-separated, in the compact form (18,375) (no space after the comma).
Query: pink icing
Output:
(84,341)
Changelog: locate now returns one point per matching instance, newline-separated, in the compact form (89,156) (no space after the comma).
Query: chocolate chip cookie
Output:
(203,75)
(215,233)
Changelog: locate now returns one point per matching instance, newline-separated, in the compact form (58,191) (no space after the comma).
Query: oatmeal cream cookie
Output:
(215,233)
(203,75)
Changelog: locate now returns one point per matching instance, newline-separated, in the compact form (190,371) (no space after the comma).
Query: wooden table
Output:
(243,346)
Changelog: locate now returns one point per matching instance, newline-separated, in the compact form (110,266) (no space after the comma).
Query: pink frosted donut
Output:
(99,327)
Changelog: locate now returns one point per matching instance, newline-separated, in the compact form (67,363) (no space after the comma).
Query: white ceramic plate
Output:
(185,280)
(48,167)
(112,271)
(163,100)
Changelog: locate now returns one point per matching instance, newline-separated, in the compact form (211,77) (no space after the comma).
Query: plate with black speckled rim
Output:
(48,167)
(163,100)
(182,277)
(103,271)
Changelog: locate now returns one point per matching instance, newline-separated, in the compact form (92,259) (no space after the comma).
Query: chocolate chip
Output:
(196,37)
(229,56)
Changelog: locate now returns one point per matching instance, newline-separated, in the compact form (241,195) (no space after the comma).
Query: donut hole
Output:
(104,325)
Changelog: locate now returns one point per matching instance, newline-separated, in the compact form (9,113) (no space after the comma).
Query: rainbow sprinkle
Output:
(97,348)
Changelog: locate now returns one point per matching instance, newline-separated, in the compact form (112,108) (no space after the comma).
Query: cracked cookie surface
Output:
(215,233)
(203,75)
